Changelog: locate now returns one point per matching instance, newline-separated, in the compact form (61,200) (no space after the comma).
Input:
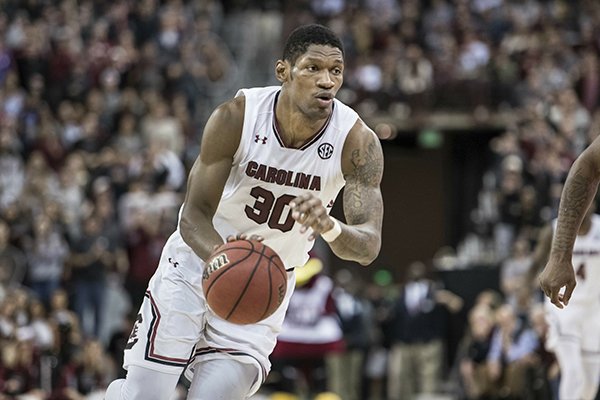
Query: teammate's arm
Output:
(220,140)
(579,191)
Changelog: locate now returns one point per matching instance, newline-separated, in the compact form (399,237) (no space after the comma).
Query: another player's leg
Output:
(572,374)
(590,343)
(592,376)
(143,383)
(223,379)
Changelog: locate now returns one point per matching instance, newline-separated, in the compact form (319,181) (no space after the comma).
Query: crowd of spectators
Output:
(101,112)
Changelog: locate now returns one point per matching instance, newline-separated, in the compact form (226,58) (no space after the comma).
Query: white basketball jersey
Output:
(266,175)
(586,262)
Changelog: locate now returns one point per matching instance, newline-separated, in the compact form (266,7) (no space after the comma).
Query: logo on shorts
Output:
(133,337)
(325,151)
(216,263)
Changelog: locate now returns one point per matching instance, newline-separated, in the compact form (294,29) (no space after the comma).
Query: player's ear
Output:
(282,71)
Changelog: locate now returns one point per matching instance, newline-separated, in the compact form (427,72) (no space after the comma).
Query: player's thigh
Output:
(564,325)
(143,383)
(590,333)
(171,318)
(223,379)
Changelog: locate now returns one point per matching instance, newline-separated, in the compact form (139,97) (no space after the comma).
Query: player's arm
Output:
(579,191)
(208,175)
(359,239)
(362,166)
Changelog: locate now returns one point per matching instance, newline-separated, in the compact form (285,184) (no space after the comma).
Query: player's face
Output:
(315,79)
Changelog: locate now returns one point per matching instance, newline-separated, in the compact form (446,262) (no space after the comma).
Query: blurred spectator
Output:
(67,332)
(511,354)
(41,329)
(419,327)
(118,342)
(415,78)
(90,263)
(19,369)
(145,239)
(91,369)
(12,169)
(473,352)
(358,325)
(12,262)
(160,128)
(515,271)
(509,205)
(47,253)
(311,337)
(380,293)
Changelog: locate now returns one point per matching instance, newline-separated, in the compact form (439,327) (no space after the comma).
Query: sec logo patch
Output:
(325,151)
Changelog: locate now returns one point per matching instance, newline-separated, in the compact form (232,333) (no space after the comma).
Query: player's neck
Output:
(295,128)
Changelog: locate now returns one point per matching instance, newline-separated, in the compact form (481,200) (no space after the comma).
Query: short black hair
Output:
(302,37)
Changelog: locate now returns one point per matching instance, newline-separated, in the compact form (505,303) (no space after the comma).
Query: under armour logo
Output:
(325,151)
(258,138)
(174,263)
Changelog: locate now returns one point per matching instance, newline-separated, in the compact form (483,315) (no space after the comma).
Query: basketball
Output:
(244,281)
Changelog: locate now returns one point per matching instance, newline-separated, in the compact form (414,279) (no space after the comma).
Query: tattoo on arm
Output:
(366,174)
(578,193)
(363,205)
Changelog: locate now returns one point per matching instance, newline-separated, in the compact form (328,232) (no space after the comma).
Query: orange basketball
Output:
(244,281)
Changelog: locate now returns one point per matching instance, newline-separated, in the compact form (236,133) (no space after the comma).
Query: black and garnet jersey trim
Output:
(150,353)
(310,141)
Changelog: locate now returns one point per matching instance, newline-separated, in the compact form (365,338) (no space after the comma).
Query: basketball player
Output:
(578,193)
(574,332)
(271,164)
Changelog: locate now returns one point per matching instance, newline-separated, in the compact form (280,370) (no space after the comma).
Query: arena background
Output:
(481,107)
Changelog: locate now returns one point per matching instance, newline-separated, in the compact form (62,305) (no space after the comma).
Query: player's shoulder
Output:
(361,136)
(256,95)
(225,124)
(230,111)
(362,147)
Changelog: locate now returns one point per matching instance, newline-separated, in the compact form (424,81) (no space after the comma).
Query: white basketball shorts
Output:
(175,329)
(579,323)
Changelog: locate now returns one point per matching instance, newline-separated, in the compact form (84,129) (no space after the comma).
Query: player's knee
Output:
(143,383)
(223,380)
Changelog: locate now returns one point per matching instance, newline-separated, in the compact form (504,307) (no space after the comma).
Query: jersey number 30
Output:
(268,209)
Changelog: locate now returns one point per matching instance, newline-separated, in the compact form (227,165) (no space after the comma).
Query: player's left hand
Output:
(309,211)
(554,277)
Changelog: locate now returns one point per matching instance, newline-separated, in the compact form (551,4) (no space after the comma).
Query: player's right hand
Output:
(308,210)
(554,277)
